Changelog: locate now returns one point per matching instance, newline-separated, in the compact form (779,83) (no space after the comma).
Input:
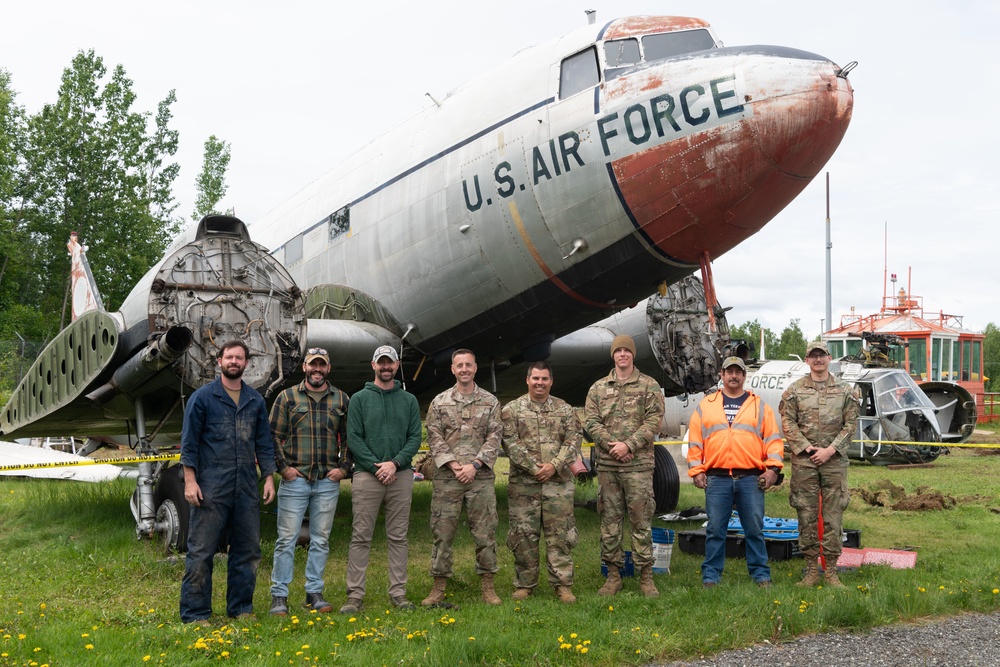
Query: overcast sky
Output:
(297,87)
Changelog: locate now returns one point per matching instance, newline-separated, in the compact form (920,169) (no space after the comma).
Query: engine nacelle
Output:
(688,342)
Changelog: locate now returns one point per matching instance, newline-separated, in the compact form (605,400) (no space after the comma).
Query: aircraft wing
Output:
(13,454)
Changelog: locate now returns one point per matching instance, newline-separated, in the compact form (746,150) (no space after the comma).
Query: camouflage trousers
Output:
(480,501)
(809,484)
(618,494)
(536,507)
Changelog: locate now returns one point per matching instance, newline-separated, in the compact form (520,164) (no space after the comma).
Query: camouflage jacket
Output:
(535,434)
(819,414)
(630,412)
(463,429)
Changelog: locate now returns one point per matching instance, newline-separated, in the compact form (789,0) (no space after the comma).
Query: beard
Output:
(232,372)
(316,382)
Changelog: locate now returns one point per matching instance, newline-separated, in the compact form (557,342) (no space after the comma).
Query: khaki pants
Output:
(367,496)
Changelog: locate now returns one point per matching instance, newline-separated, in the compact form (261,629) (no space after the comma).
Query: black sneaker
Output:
(401,603)
(315,601)
(279,605)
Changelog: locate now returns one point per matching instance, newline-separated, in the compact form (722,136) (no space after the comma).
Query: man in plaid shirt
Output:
(309,427)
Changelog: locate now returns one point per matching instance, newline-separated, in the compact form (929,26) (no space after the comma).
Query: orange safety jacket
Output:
(751,442)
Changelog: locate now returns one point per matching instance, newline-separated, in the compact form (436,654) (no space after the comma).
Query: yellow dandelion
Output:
(351,619)
(584,649)
(561,640)
(611,607)
(89,647)
(996,590)
(572,635)
(147,658)
(472,639)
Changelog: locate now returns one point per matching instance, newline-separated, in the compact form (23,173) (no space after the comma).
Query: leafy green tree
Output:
(94,168)
(13,241)
(751,331)
(791,343)
(211,182)
(991,356)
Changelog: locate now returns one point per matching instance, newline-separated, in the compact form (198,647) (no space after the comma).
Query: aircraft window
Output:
(578,73)
(293,250)
(339,223)
(621,52)
(670,44)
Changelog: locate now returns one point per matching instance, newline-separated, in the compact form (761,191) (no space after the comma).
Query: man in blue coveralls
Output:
(226,435)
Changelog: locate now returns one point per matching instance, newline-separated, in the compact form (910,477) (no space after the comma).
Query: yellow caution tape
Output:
(909,443)
(91,462)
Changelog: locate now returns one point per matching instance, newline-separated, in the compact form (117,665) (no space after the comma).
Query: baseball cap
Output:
(817,345)
(734,361)
(317,353)
(385,351)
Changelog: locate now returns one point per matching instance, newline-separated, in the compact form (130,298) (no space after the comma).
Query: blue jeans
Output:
(237,513)
(720,496)
(320,498)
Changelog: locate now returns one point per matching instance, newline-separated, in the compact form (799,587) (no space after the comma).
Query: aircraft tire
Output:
(666,481)
(171,506)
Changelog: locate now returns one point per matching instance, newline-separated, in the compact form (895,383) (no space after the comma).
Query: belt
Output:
(735,473)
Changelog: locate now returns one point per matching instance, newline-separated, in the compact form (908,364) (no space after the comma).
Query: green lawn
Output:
(78,589)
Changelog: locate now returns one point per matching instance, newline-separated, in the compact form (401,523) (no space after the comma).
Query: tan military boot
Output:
(565,594)
(489,595)
(831,579)
(436,596)
(646,584)
(613,584)
(811,577)
(522,593)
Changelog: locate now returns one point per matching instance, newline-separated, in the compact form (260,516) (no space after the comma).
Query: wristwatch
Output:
(477,464)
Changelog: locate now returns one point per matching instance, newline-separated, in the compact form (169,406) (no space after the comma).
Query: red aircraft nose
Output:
(709,190)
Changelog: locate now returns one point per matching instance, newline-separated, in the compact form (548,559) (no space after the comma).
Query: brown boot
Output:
(646,584)
(565,595)
(522,593)
(613,584)
(831,579)
(812,574)
(489,595)
(436,596)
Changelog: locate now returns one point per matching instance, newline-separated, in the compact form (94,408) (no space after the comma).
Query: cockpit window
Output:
(669,44)
(579,72)
(620,52)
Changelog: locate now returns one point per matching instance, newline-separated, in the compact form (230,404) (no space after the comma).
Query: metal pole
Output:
(829,252)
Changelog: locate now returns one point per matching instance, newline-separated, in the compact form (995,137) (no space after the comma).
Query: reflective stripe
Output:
(776,457)
(772,438)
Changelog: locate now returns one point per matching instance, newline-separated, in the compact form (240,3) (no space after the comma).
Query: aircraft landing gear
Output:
(172,510)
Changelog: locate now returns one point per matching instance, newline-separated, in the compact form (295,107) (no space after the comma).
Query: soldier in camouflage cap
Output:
(541,435)
(819,415)
(463,436)
(623,415)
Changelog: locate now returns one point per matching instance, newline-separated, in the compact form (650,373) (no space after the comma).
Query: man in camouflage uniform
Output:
(819,415)
(623,414)
(541,435)
(463,436)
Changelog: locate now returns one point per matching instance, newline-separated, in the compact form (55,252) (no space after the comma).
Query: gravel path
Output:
(961,641)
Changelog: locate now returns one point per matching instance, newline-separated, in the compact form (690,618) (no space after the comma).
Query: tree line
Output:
(91,162)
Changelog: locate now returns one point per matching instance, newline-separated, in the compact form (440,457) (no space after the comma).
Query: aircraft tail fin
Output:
(84,288)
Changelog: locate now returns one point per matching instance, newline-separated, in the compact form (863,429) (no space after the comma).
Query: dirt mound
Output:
(886,494)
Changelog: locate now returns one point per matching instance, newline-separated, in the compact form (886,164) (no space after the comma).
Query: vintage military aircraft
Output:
(557,189)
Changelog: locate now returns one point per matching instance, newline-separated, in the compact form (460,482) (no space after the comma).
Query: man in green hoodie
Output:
(383,434)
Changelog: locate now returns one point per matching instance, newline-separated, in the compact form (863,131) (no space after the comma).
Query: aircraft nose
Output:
(782,114)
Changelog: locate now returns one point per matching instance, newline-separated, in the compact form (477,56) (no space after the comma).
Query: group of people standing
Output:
(315,436)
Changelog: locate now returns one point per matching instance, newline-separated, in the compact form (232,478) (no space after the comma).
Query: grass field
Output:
(78,589)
